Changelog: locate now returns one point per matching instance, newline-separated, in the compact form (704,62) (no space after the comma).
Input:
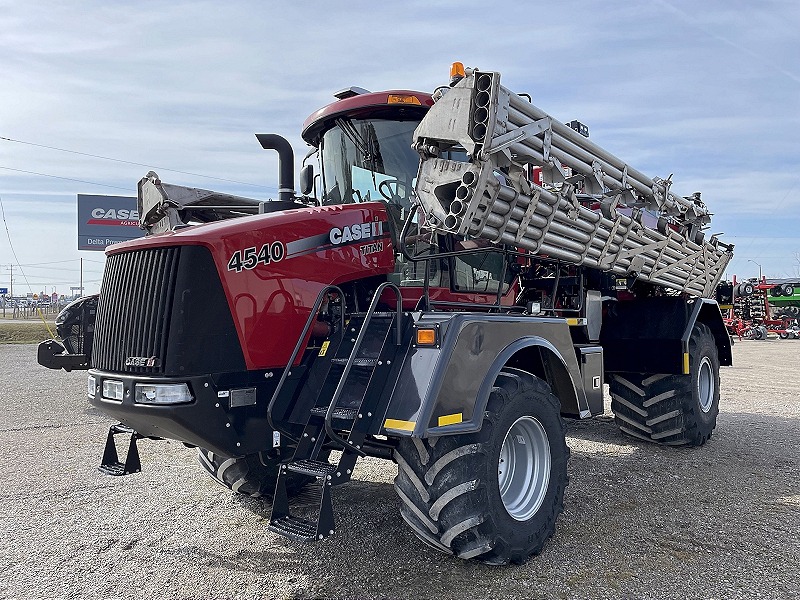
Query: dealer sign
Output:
(106,220)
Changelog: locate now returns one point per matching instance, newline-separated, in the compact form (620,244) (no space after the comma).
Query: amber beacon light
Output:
(456,73)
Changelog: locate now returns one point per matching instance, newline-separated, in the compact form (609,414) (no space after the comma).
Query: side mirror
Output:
(307,180)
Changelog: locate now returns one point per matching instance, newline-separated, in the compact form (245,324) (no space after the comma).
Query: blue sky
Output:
(708,91)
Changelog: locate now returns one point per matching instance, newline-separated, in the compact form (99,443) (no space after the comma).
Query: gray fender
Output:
(557,374)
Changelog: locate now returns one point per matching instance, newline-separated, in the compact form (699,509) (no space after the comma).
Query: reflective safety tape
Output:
(401,425)
(685,363)
(450,419)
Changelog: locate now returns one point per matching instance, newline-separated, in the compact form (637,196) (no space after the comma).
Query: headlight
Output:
(173,393)
(113,390)
(63,316)
(91,386)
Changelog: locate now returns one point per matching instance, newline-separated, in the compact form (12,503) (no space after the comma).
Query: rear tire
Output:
(676,410)
(459,498)
(253,475)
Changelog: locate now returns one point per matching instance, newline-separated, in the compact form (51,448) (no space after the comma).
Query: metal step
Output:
(357,362)
(295,528)
(313,468)
(342,414)
(111,464)
(309,497)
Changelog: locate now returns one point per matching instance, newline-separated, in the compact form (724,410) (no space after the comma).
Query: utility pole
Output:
(11,267)
(81,290)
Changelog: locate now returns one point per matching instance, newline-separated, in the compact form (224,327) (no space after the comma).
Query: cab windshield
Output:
(364,160)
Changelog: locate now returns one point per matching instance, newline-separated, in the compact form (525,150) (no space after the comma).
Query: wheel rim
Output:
(705,385)
(524,468)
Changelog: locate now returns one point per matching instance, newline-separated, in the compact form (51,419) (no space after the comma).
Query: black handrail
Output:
(296,351)
(356,347)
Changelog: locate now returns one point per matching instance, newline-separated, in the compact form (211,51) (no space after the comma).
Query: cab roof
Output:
(374,104)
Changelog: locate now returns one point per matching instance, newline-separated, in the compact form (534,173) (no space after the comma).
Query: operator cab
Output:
(364,145)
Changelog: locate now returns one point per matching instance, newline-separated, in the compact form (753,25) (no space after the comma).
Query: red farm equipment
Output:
(751,314)
(464,273)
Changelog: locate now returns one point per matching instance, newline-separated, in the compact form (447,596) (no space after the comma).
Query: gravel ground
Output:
(641,521)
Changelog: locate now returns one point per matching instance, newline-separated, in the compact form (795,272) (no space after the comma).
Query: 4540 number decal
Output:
(250,258)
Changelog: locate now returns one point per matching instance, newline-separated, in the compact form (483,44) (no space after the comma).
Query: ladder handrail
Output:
(296,351)
(351,359)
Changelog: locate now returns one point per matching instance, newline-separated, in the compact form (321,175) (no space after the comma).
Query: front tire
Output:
(676,410)
(254,475)
(493,495)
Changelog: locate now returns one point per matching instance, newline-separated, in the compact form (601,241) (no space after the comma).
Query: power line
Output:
(66,178)
(43,268)
(52,262)
(128,162)
(14,252)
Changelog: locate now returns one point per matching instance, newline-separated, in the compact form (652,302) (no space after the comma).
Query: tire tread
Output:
(453,517)
(665,411)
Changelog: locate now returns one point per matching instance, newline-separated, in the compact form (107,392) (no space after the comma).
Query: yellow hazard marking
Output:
(401,425)
(324,349)
(572,321)
(685,363)
(450,419)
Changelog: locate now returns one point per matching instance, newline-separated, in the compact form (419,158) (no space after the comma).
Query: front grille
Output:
(133,315)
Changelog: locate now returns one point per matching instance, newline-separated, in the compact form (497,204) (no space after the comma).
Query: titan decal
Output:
(371,248)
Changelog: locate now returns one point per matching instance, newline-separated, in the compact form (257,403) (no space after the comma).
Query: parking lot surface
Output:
(641,521)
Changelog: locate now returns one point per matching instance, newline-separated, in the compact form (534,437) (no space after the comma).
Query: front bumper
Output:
(208,421)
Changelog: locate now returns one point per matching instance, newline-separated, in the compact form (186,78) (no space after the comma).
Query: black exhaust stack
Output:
(272,141)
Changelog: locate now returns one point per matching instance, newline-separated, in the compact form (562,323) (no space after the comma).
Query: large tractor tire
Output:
(253,475)
(493,495)
(677,410)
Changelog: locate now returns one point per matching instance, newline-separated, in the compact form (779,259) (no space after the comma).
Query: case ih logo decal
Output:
(142,361)
(359,231)
(249,258)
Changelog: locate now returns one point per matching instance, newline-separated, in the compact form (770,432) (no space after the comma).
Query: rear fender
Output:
(651,335)
(707,312)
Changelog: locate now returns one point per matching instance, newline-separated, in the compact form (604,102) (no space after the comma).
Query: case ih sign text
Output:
(106,220)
